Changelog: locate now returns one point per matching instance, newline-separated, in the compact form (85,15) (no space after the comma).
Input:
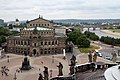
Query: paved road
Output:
(107,49)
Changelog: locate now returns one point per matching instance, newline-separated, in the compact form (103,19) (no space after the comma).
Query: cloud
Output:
(28,9)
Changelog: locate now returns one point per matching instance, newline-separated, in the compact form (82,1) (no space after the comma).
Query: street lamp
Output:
(8,59)
(64,54)
(51,73)
(52,59)
(15,77)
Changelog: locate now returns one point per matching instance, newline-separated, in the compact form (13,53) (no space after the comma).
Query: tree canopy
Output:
(78,38)
(4,32)
(110,40)
(91,35)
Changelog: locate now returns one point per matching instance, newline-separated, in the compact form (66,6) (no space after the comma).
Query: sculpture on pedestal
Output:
(94,57)
(90,56)
(26,64)
(46,73)
(73,59)
(60,67)
(40,77)
(114,56)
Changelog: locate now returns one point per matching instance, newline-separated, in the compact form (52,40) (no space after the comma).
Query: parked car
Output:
(107,57)
(98,53)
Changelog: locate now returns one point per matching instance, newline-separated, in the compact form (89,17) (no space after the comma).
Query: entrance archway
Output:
(34,51)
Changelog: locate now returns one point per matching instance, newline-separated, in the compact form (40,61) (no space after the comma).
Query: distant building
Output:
(37,39)
(14,23)
(2,22)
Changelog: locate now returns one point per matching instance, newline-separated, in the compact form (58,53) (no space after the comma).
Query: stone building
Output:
(37,39)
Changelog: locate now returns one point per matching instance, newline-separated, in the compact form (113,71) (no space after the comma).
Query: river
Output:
(100,33)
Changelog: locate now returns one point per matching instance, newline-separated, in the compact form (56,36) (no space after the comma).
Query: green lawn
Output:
(86,50)
(115,30)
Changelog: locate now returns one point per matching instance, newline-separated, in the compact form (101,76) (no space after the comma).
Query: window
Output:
(48,24)
(21,42)
(48,52)
(52,42)
(35,44)
(45,52)
(28,42)
(45,24)
(41,43)
(16,42)
(25,43)
(45,43)
(30,24)
(41,52)
(55,42)
(49,43)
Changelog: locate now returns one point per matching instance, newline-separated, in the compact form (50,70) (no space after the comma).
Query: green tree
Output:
(82,41)
(72,36)
(91,35)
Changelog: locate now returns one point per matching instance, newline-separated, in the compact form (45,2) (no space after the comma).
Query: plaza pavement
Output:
(38,66)
(36,63)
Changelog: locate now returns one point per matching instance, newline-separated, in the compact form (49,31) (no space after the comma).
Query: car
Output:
(98,53)
(107,57)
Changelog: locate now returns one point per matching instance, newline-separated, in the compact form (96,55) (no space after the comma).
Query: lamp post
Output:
(52,59)
(64,54)
(15,77)
(51,73)
(8,59)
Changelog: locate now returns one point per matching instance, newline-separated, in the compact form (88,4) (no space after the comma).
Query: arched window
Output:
(41,43)
(35,44)
(52,42)
(21,42)
(49,43)
(45,43)
(55,42)
(25,43)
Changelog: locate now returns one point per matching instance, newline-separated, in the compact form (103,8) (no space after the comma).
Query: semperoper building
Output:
(39,38)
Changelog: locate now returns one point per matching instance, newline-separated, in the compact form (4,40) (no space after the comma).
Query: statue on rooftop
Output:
(60,67)
(94,57)
(72,64)
(46,73)
(114,56)
(40,77)
(90,56)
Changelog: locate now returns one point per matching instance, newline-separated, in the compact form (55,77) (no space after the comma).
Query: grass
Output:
(115,30)
(86,50)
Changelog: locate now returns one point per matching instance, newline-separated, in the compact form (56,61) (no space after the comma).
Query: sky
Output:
(59,9)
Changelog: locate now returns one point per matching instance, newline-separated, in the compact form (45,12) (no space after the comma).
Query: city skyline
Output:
(59,9)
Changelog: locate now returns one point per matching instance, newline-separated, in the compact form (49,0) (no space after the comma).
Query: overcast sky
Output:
(59,9)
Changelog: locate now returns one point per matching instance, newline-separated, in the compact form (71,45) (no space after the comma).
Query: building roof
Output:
(38,28)
(40,19)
